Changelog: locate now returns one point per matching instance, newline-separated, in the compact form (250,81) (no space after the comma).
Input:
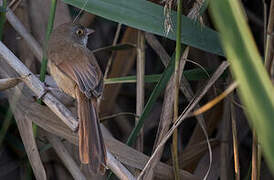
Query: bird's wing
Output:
(82,67)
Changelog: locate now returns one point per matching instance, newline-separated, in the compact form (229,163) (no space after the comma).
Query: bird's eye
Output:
(79,32)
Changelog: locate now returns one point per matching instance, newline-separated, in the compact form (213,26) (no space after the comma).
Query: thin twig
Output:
(115,40)
(254,171)
(216,100)
(235,139)
(118,114)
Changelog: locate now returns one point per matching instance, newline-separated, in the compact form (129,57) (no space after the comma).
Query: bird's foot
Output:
(46,89)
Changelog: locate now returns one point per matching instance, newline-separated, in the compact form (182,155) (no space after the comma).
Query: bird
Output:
(77,73)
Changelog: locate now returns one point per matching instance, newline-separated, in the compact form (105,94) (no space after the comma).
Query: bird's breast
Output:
(62,80)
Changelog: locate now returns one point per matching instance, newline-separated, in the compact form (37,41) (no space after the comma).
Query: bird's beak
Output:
(89,31)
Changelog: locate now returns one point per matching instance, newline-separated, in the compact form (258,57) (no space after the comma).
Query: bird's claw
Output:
(45,90)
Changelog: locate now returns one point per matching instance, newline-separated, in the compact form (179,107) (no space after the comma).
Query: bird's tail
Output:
(91,145)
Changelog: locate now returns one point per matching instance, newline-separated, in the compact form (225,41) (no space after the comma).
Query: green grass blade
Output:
(149,17)
(255,87)
(192,75)
(132,79)
(45,47)
(49,30)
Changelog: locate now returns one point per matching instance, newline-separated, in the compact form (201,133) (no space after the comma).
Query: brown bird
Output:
(76,71)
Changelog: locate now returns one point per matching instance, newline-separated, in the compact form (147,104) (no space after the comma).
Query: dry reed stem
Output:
(140,86)
(19,27)
(225,135)
(269,38)
(235,140)
(254,170)
(117,168)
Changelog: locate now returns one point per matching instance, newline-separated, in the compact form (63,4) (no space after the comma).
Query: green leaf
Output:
(149,17)
(132,79)
(191,75)
(255,87)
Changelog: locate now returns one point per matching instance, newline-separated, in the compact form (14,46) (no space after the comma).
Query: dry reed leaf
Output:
(8,83)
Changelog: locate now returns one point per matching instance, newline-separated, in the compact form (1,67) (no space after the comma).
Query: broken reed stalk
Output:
(176,91)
